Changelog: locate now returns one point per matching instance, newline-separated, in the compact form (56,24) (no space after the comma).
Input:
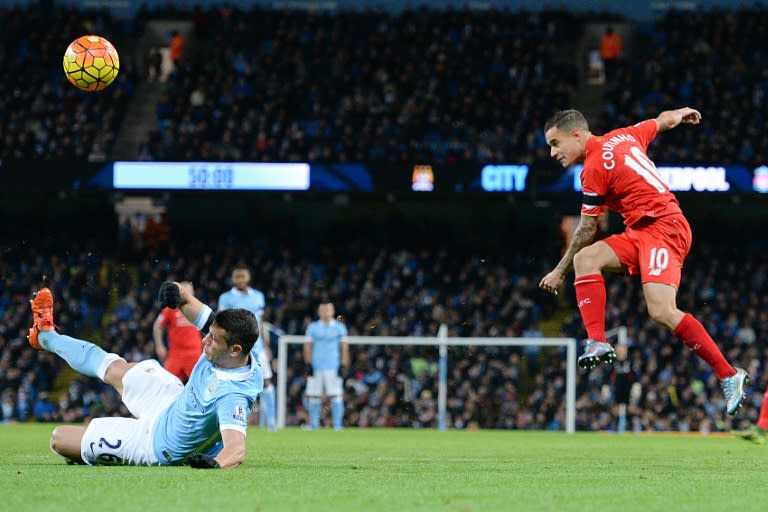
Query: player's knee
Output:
(58,441)
(54,439)
(114,373)
(584,261)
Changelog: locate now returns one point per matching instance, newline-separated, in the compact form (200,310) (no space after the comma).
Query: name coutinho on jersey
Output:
(608,147)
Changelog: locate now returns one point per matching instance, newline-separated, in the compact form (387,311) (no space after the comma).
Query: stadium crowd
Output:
(705,59)
(433,86)
(42,116)
(84,282)
(448,86)
(401,292)
(439,86)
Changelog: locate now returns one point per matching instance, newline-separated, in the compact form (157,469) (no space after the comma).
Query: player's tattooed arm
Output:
(582,237)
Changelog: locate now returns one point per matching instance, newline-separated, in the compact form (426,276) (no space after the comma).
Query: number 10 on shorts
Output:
(659,261)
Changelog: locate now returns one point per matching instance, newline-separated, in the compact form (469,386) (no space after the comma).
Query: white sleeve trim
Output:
(240,429)
(202,317)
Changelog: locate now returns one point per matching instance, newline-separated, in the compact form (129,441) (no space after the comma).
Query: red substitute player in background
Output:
(619,175)
(184,342)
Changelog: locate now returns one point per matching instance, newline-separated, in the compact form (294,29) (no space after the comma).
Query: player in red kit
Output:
(618,175)
(184,342)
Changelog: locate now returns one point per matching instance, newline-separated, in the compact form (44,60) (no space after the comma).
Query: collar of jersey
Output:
(247,291)
(235,374)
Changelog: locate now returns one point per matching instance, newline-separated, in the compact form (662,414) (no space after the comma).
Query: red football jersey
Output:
(183,338)
(619,175)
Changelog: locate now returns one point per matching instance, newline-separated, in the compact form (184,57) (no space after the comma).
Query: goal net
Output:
(441,345)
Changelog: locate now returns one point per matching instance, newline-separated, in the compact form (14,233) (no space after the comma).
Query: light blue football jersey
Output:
(213,399)
(326,340)
(251,299)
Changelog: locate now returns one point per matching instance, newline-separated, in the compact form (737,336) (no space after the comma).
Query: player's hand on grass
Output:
(202,461)
(169,295)
(552,282)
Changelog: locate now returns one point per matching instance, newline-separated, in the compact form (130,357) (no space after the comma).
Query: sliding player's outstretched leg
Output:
(82,356)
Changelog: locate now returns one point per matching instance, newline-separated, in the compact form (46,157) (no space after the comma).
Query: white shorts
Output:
(148,389)
(324,382)
(266,365)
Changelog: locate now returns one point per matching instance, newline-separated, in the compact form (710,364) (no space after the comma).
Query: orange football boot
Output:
(42,315)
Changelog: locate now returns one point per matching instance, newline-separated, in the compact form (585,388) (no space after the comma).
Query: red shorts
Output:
(181,367)
(654,248)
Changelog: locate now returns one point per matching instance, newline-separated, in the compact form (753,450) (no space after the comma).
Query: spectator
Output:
(44,409)
(176,48)
(610,51)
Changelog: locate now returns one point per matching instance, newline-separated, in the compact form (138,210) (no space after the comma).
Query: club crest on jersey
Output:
(239,413)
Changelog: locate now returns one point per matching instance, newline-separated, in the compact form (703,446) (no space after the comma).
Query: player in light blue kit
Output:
(173,424)
(325,346)
(243,296)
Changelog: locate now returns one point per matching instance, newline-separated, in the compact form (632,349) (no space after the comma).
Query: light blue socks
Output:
(267,411)
(82,356)
(314,412)
(337,412)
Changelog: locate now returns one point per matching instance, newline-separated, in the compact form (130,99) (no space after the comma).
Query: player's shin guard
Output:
(314,412)
(337,412)
(267,410)
(590,294)
(84,357)
(696,337)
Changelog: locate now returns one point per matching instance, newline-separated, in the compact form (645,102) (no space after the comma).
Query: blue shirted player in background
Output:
(173,424)
(243,296)
(326,346)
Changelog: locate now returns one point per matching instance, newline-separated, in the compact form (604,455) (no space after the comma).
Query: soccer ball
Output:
(91,63)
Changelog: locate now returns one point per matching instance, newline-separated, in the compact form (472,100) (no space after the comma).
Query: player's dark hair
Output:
(242,266)
(241,327)
(566,120)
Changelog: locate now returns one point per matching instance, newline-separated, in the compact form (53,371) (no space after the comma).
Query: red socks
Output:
(698,339)
(590,292)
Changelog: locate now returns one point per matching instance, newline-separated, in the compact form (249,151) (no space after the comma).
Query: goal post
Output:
(441,342)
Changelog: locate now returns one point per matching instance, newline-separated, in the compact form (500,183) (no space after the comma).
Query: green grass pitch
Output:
(405,470)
